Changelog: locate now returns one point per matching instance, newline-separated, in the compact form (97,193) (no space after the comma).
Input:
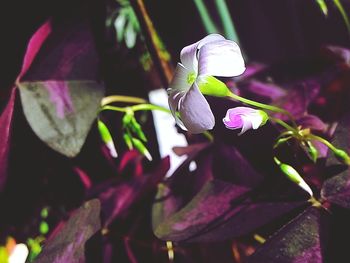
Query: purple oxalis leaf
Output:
(200,207)
(59,85)
(298,98)
(337,188)
(68,242)
(117,199)
(299,241)
(264,90)
(6,120)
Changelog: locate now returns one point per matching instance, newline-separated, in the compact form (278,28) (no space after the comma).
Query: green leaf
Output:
(130,35)
(323,6)
(119,25)
(136,127)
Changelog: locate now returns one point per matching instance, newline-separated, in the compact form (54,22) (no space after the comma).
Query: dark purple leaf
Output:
(59,85)
(192,149)
(251,70)
(6,120)
(313,122)
(337,188)
(117,199)
(216,202)
(298,98)
(300,241)
(68,244)
(265,90)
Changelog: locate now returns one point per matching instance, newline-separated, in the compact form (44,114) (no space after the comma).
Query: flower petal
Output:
(256,120)
(179,81)
(232,121)
(246,124)
(220,58)
(177,88)
(174,100)
(188,55)
(195,111)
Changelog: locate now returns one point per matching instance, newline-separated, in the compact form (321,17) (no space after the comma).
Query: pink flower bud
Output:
(244,118)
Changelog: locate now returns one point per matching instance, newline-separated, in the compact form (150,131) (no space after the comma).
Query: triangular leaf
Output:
(299,241)
(337,188)
(61,112)
(59,84)
(6,120)
(68,245)
(216,202)
(117,199)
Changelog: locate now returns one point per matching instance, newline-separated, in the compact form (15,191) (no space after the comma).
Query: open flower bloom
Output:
(244,118)
(211,56)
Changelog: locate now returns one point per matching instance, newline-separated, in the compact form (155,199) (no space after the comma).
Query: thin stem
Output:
(145,107)
(324,141)
(208,135)
(284,124)
(121,98)
(152,41)
(263,106)
(229,28)
(148,106)
(205,17)
(113,108)
(340,7)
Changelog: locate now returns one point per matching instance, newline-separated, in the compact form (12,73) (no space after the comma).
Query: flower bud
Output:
(245,118)
(107,138)
(210,85)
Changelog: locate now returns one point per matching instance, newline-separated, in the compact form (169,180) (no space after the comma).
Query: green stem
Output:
(324,141)
(205,17)
(147,106)
(229,29)
(263,106)
(121,98)
(114,108)
(285,125)
(340,7)
(208,135)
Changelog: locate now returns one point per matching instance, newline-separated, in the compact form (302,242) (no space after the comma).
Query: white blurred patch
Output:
(19,254)
(192,167)
(166,132)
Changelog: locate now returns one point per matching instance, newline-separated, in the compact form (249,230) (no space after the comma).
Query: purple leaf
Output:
(313,122)
(59,85)
(299,241)
(264,90)
(337,188)
(117,199)
(61,112)
(6,120)
(68,243)
(251,70)
(298,98)
(215,202)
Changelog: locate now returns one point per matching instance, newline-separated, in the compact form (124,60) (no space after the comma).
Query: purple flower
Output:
(211,56)
(245,118)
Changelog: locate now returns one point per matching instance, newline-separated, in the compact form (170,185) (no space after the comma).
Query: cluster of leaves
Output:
(236,190)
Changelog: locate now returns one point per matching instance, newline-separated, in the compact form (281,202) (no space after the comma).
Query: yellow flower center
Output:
(191,78)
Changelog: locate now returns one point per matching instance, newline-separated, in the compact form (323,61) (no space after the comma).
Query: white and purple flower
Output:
(244,118)
(211,56)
